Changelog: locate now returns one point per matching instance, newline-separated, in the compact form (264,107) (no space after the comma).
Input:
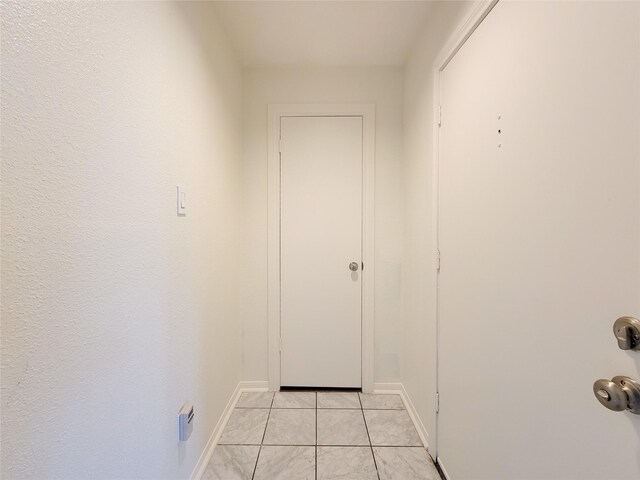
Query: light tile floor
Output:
(320,436)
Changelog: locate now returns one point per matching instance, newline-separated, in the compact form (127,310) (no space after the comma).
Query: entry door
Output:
(321,251)
(540,242)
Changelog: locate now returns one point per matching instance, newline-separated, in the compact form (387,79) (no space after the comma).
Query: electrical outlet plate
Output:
(185,422)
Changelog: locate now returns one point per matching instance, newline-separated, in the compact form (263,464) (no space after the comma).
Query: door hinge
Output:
(437,402)
(438,262)
(439,115)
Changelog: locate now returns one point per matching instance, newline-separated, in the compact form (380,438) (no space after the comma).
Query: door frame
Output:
(453,45)
(275,112)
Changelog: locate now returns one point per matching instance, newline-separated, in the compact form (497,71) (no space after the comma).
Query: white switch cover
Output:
(182,201)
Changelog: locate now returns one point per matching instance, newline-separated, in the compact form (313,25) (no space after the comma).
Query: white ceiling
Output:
(321,32)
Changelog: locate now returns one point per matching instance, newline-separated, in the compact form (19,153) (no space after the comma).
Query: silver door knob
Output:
(610,395)
(618,394)
(353,266)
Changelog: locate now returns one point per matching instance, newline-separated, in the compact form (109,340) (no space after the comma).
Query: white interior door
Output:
(540,242)
(321,235)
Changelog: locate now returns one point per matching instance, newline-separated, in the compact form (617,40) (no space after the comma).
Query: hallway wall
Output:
(114,310)
(419,248)
(382,86)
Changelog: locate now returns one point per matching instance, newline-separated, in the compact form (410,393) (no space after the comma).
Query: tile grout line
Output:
(255,468)
(375,464)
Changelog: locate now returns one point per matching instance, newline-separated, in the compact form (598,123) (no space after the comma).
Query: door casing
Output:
(275,113)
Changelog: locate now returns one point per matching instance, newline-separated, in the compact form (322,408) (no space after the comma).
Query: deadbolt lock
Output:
(627,332)
(618,394)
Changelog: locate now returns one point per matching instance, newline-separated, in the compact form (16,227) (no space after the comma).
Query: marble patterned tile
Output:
(245,426)
(232,462)
(295,400)
(291,427)
(391,428)
(341,427)
(407,463)
(338,400)
(286,463)
(255,400)
(372,401)
(346,463)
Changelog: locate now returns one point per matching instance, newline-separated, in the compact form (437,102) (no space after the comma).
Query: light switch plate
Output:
(182,200)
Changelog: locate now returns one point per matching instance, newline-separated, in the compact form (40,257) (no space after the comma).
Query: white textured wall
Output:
(419,260)
(382,86)
(114,310)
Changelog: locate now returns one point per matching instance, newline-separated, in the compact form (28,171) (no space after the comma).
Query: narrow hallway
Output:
(320,240)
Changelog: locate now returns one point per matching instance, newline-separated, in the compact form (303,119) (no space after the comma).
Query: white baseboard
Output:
(255,386)
(382,388)
(444,470)
(398,388)
(203,461)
